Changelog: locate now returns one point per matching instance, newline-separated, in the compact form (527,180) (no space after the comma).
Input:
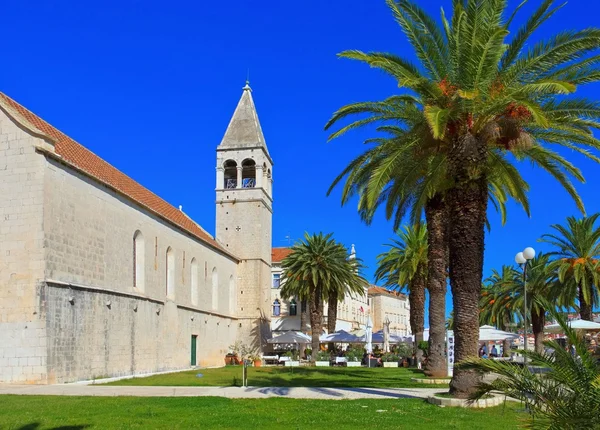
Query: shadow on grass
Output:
(35,426)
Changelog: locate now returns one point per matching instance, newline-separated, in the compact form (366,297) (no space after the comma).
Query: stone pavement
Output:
(230,392)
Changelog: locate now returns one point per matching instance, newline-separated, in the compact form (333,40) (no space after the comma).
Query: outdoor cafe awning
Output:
(581,325)
(290,337)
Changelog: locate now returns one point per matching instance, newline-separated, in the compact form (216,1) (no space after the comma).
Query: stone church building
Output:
(100,277)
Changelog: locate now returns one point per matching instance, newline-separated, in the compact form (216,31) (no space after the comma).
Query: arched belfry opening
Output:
(248,173)
(230,174)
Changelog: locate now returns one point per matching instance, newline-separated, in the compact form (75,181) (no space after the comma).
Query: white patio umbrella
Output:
(580,325)
(369,335)
(487,333)
(386,337)
(290,337)
(341,336)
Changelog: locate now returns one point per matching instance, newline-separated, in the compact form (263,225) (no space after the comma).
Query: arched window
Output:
(194,281)
(276,308)
(138,261)
(170,273)
(248,173)
(232,295)
(293,308)
(230,174)
(215,289)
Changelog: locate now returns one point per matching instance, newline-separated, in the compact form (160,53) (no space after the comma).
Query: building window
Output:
(170,273)
(276,308)
(276,280)
(230,174)
(248,173)
(293,308)
(138,261)
(194,281)
(215,289)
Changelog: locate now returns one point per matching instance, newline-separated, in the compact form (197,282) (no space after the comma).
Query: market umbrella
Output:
(369,335)
(580,325)
(386,338)
(290,337)
(341,336)
(487,333)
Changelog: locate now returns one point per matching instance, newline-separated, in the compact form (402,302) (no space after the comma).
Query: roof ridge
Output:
(93,165)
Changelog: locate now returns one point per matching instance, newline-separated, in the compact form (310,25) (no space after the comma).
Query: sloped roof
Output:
(374,290)
(244,130)
(278,254)
(94,166)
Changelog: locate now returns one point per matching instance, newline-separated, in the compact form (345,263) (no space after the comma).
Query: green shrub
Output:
(390,357)
(322,356)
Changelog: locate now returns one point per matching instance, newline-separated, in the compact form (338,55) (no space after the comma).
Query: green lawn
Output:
(331,377)
(62,412)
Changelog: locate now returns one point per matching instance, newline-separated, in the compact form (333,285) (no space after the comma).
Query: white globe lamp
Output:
(520,258)
(529,253)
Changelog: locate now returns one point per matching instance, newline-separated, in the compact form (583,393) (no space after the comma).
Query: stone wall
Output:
(22,328)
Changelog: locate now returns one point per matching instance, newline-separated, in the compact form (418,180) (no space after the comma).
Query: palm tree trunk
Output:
(585,308)
(416,300)
(316,319)
(468,203)
(505,342)
(436,216)
(332,315)
(304,305)
(538,319)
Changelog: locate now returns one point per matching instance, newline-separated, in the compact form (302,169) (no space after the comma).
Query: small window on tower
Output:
(293,308)
(276,280)
(230,174)
(248,173)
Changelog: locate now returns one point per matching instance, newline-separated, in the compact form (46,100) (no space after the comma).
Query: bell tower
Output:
(244,212)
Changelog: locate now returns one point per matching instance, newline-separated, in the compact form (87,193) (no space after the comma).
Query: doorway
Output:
(193,358)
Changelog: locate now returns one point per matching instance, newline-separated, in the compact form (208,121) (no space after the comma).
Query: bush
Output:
(322,356)
(423,345)
(354,355)
(390,358)
(293,354)
(404,350)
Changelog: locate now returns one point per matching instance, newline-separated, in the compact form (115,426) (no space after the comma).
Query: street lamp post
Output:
(521,259)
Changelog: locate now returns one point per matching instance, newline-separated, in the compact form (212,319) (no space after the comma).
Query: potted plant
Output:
(322,359)
(353,358)
(390,360)
(256,360)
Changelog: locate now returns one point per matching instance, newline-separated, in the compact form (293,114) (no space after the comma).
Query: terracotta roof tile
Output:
(278,254)
(374,289)
(85,160)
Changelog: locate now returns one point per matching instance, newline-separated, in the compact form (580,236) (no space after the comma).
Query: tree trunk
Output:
(316,319)
(416,300)
(467,201)
(332,315)
(538,319)
(585,308)
(437,216)
(304,306)
(505,342)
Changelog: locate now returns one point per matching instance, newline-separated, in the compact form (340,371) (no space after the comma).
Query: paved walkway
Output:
(230,392)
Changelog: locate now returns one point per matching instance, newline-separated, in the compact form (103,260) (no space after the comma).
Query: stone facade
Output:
(94,283)
(394,306)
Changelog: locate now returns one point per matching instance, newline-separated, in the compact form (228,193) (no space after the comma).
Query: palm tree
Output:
(577,247)
(497,308)
(484,96)
(542,290)
(404,266)
(316,266)
(336,295)
(566,398)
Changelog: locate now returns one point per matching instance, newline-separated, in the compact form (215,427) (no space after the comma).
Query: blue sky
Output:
(150,86)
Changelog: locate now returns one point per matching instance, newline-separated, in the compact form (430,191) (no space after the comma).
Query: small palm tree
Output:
(497,308)
(404,267)
(565,397)
(316,266)
(577,246)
